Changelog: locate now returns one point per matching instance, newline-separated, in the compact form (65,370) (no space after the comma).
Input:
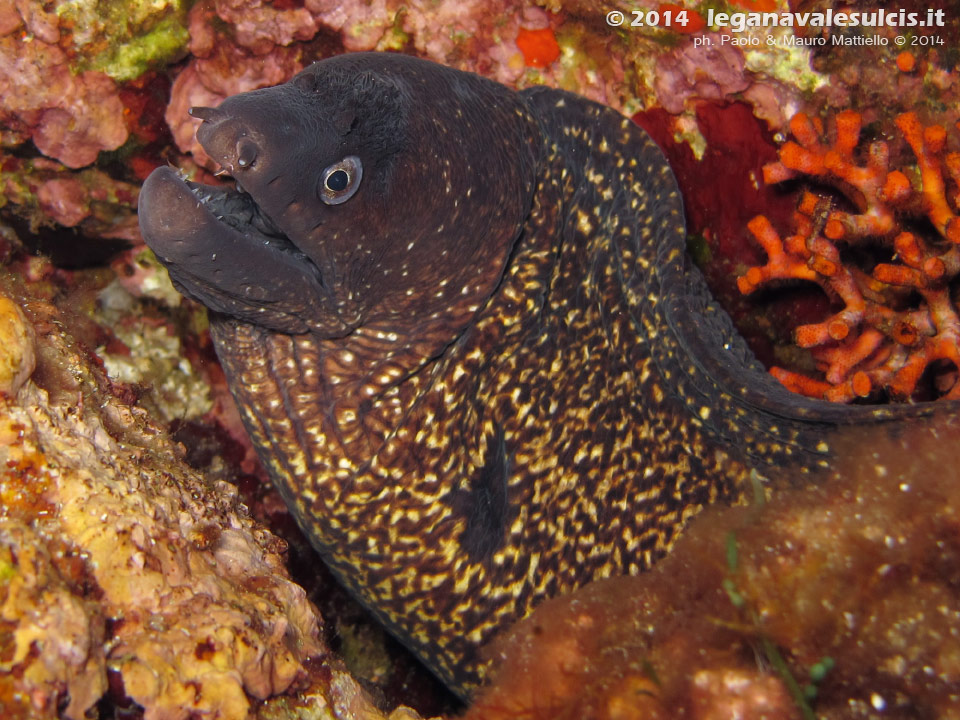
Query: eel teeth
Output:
(181,173)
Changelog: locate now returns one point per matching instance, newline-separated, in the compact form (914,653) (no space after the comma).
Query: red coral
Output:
(883,339)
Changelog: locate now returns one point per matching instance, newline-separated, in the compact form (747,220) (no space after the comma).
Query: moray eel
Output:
(467,343)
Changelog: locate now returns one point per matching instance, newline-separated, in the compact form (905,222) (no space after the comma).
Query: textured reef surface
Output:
(128,580)
(142,570)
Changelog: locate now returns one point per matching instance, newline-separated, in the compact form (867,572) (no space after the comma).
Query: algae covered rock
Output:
(125,574)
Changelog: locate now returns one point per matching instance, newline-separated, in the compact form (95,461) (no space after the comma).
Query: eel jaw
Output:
(223,252)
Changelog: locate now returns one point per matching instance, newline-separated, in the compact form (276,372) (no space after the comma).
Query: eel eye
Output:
(337,180)
(340,181)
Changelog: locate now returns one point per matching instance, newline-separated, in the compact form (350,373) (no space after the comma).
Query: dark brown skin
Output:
(488,374)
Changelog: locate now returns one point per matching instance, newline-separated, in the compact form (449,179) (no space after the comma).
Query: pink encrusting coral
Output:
(899,318)
(699,72)
(88,199)
(69,116)
(245,44)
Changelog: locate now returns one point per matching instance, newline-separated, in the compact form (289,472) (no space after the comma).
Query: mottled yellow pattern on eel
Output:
(541,397)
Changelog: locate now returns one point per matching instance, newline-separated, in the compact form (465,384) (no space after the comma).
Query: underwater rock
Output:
(62,67)
(69,116)
(119,561)
(704,72)
(17,356)
(122,39)
(259,27)
(45,194)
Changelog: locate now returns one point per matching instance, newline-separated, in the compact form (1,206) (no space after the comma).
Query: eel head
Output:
(356,197)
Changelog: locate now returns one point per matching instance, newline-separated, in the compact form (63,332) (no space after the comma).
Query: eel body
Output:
(467,343)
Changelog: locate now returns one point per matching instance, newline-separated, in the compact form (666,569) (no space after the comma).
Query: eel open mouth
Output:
(222,251)
(238,209)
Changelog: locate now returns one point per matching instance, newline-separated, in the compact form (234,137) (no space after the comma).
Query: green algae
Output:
(788,64)
(125,39)
(163,43)
(395,38)
(7,571)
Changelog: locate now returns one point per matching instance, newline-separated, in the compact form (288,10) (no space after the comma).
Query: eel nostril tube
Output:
(205,113)
(246,153)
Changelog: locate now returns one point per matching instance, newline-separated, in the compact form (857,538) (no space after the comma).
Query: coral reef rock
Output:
(123,572)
